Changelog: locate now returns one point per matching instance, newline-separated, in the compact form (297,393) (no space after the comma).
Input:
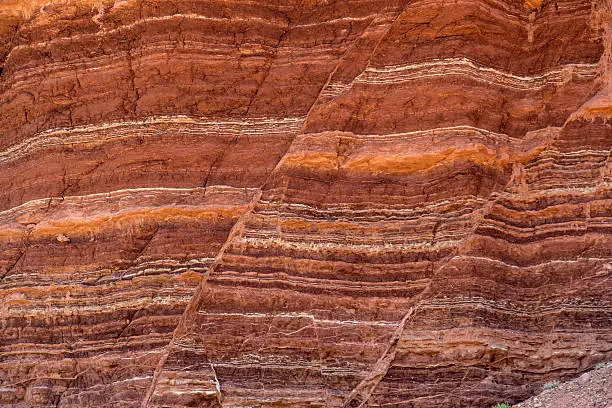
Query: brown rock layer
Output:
(302,203)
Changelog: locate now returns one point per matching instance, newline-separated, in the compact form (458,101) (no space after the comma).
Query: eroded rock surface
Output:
(306,203)
(590,390)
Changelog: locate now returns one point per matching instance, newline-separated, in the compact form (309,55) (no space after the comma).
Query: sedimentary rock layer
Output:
(94,285)
(302,203)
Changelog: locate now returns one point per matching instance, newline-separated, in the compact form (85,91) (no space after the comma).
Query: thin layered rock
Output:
(317,204)
(93,286)
(525,299)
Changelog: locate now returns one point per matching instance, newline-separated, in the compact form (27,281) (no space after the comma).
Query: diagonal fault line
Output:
(361,394)
(348,50)
(237,229)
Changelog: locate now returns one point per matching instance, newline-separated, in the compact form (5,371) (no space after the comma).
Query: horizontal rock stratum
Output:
(302,203)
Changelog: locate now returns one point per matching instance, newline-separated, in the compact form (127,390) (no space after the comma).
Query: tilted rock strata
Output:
(93,286)
(541,234)
(302,203)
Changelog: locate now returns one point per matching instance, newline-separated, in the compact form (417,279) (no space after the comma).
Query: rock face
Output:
(305,203)
(590,390)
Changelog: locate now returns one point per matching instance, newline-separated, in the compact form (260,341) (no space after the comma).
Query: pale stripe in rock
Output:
(334,90)
(117,194)
(254,315)
(286,278)
(194,52)
(386,211)
(191,16)
(561,191)
(526,232)
(459,130)
(365,248)
(375,212)
(156,50)
(193,391)
(121,130)
(467,68)
(336,20)
(32,311)
(554,172)
(104,276)
(532,309)
(503,264)
(579,157)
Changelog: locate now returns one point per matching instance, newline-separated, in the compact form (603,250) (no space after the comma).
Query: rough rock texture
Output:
(306,203)
(592,389)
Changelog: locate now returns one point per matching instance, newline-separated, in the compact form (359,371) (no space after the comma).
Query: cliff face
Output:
(306,203)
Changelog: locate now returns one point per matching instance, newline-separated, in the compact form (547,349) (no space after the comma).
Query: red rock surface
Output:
(306,203)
